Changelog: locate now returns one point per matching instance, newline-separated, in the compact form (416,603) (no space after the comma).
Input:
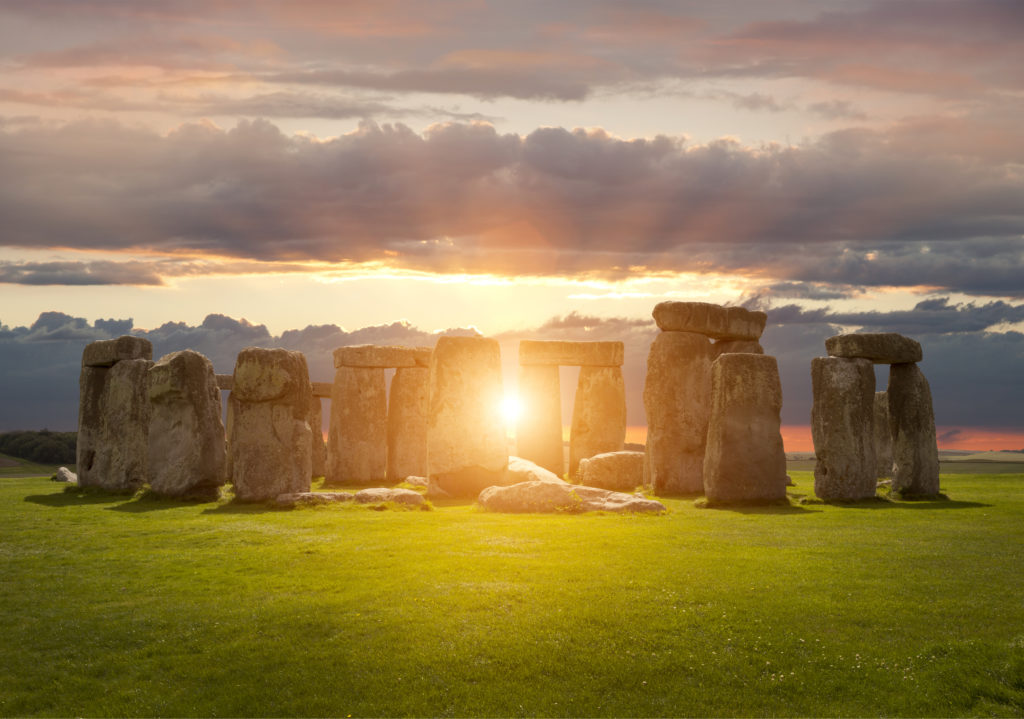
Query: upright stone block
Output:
(467,448)
(113,424)
(745,459)
(318,455)
(186,436)
(358,438)
(842,427)
(883,436)
(539,429)
(599,414)
(269,442)
(408,405)
(915,452)
(677,400)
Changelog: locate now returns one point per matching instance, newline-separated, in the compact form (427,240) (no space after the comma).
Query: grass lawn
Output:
(138,607)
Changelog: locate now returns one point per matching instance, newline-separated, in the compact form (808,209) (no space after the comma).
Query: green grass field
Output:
(115,606)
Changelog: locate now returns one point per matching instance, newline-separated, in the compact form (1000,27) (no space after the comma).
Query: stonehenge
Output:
(745,460)
(678,391)
(599,412)
(113,414)
(856,430)
(186,452)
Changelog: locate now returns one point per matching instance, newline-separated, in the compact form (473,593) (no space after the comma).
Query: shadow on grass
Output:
(148,502)
(74,498)
(236,507)
(766,508)
(886,503)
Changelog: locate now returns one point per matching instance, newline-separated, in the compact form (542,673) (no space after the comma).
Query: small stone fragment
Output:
(619,471)
(745,460)
(915,467)
(714,321)
(381,356)
(842,427)
(879,347)
(65,475)
(570,353)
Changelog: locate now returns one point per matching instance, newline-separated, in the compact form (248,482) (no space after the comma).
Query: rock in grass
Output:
(523,470)
(548,497)
(376,495)
(312,499)
(618,471)
(65,475)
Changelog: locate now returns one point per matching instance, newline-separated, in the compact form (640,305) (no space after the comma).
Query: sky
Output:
(392,169)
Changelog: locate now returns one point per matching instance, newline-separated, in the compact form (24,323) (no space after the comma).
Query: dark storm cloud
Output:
(855,208)
(79,273)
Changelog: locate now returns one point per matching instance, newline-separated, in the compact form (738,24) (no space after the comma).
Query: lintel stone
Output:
(106,353)
(381,356)
(879,347)
(322,389)
(714,321)
(564,352)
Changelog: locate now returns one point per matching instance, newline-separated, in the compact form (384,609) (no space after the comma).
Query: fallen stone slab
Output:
(523,470)
(879,347)
(619,471)
(381,356)
(565,352)
(106,353)
(312,499)
(376,495)
(714,321)
(548,497)
(65,475)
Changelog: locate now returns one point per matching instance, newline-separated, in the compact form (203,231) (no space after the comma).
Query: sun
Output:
(511,409)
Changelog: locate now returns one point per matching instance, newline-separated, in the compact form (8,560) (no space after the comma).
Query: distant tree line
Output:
(42,447)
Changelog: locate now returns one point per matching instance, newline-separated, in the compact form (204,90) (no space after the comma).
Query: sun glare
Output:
(511,409)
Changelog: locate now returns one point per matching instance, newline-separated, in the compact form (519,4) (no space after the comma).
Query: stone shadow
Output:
(74,498)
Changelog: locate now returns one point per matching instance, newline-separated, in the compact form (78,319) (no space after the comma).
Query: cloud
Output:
(855,208)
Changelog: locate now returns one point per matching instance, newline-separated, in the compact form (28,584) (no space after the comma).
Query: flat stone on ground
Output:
(311,499)
(619,471)
(523,470)
(547,497)
(570,353)
(375,495)
(879,347)
(65,475)
(381,356)
(714,321)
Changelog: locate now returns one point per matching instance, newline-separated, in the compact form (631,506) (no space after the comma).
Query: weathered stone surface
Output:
(714,321)
(879,347)
(269,438)
(106,353)
(312,499)
(564,352)
(357,440)
(186,436)
(619,471)
(722,347)
(318,456)
(466,442)
(842,427)
(381,356)
(523,470)
(376,495)
(745,459)
(915,453)
(416,481)
(599,415)
(65,475)
(677,400)
(554,497)
(322,389)
(408,404)
(113,426)
(539,429)
(225,381)
(883,436)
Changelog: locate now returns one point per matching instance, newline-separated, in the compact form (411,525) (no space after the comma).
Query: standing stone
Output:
(467,449)
(619,471)
(270,439)
(316,428)
(915,452)
(677,400)
(883,436)
(598,416)
(186,435)
(408,405)
(745,459)
(113,417)
(539,429)
(358,438)
(842,427)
